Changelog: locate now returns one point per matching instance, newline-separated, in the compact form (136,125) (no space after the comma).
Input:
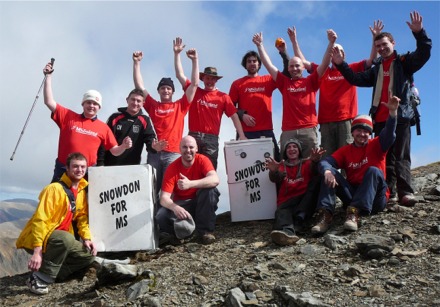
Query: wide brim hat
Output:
(210,71)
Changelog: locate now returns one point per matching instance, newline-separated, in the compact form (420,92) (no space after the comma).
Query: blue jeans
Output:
(160,162)
(202,209)
(369,197)
(266,134)
(207,145)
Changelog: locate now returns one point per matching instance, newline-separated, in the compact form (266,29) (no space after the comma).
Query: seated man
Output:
(365,190)
(48,235)
(297,195)
(189,193)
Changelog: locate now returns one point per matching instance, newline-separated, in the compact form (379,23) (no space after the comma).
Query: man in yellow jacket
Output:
(49,234)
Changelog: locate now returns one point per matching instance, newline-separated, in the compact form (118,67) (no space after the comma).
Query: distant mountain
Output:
(14,214)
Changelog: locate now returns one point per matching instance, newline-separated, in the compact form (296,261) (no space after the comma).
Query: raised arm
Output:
(387,136)
(375,31)
(258,41)
(331,35)
(49,101)
(178,46)
(192,88)
(137,76)
(296,50)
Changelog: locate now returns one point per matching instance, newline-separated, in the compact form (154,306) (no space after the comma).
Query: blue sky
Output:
(92,43)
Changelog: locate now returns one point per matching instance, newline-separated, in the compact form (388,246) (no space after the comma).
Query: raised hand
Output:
(416,22)
(178,45)
(377,28)
(137,56)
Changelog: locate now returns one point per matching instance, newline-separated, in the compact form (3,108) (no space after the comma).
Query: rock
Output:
(333,241)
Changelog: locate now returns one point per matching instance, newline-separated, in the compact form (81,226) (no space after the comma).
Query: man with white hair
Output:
(82,133)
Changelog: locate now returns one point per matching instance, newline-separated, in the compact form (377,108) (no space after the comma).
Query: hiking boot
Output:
(352,219)
(408,200)
(283,238)
(36,285)
(208,238)
(323,221)
(393,199)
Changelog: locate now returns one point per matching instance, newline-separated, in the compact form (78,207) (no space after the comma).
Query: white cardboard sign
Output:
(252,195)
(121,207)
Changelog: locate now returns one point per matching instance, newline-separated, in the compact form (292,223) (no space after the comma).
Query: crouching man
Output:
(189,193)
(298,191)
(49,234)
(364,192)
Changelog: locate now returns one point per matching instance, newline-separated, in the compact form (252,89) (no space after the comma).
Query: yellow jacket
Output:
(51,211)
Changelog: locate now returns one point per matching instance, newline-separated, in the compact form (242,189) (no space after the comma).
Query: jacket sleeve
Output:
(388,134)
(149,135)
(328,163)
(413,61)
(361,79)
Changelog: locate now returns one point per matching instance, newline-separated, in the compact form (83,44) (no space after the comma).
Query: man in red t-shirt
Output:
(299,95)
(167,116)
(297,195)
(338,103)
(252,94)
(364,191)
(207,107)
(84,132)
(189,193)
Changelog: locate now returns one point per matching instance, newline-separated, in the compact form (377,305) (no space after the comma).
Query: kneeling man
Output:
(189,195)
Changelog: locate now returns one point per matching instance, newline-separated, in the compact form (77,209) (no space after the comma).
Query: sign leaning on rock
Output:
(252,195)
(121,208)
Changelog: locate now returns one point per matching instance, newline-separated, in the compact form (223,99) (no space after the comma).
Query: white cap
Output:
(93,96)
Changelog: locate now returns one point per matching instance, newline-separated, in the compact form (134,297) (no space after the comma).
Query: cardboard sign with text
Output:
(121,208)
(252,195)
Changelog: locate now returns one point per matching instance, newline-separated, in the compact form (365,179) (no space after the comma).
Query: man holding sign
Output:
(189,195)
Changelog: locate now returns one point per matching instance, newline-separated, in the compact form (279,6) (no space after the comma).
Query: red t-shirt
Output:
(299,101)
(356,160)
(291,185)
(168,120)
(254,95)
(206,111)
(337,98)
(382,111)
(80,134)
(200,168)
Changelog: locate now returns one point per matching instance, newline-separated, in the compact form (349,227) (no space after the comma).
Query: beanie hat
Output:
(184,228)
(93,96)
(362,121)
(166,81)
(297,143)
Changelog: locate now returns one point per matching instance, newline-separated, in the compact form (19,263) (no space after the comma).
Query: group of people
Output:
(308,177)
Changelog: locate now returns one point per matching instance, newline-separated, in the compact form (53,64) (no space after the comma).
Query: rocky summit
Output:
(392,260)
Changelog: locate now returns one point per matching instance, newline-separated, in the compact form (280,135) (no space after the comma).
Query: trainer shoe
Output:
(283,238)
(352,219)
(36,285)
(408,200)
(208,238)
(323,221)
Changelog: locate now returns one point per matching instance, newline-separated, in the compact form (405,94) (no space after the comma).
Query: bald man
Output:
(189,193)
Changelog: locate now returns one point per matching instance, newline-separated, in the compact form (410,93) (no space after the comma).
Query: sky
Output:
(92,43)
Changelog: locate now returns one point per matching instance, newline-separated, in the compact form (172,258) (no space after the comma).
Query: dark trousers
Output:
(369,197)
(302,206)
(202,209)
(207,145)
(398,160)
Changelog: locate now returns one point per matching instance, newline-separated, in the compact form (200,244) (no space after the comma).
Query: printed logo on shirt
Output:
(84,131)
(357,165)
(118,127)
(386,73)
(159,111)
(207,104)
(335,78)
(254,89)
(296,90)
(136,128)
(296,180)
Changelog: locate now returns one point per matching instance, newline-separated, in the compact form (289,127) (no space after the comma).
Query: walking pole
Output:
(52,60)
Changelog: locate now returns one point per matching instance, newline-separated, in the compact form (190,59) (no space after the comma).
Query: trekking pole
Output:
(52,60)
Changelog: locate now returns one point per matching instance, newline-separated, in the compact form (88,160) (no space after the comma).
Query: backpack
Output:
(414,101)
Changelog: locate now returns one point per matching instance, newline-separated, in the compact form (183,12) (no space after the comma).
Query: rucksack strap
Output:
(70,195)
